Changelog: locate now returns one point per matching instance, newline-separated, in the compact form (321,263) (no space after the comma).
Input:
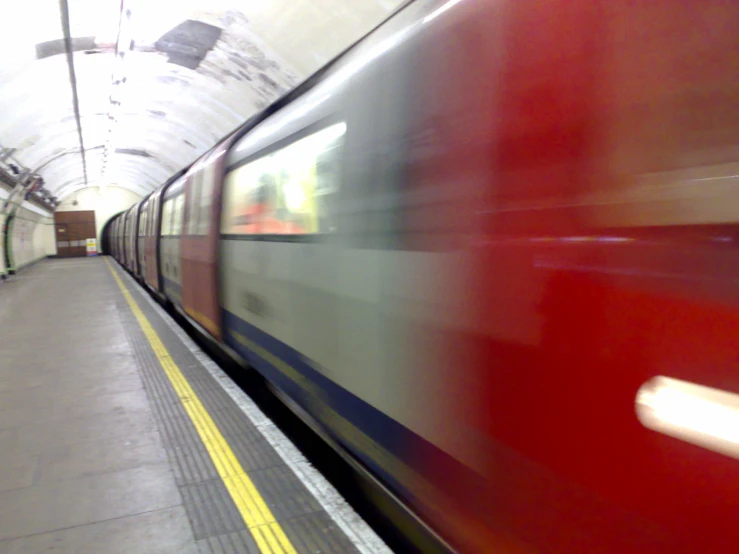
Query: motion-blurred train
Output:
(491,252)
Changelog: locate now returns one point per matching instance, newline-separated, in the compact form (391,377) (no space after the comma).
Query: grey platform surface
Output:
(97,453)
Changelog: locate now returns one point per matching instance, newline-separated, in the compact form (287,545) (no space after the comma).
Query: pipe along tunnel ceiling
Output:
(157,82)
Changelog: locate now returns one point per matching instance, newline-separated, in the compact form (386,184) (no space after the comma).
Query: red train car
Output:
(200,240)
(603,248)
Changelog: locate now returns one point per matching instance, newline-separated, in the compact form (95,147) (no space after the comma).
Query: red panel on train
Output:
(200,240)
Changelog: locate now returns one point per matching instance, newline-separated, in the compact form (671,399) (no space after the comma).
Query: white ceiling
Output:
(150,112)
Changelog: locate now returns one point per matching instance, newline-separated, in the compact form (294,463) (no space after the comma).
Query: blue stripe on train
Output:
(390,435)
(395,453)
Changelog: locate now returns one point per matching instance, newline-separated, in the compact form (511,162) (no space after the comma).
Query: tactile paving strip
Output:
(216,522)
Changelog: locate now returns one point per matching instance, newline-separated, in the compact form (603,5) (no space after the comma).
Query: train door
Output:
(195,246)
(141,240)
(243,266)
(173,209)
(131,233)
(122,238)
(200,248)
(151,275)
(309,260)
(280,271)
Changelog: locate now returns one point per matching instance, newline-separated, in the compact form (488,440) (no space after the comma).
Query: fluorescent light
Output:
(700,415)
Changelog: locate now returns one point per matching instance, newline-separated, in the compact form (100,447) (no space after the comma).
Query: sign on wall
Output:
(92,248)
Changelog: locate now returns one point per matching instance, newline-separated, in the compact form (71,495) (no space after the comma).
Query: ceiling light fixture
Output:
(124,45)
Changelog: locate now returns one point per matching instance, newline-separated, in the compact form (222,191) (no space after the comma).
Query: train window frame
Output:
(195,207)
(143,220)
(151,218)
(191,210)
(167,214)
(178,215)
(271,151)
(207,186)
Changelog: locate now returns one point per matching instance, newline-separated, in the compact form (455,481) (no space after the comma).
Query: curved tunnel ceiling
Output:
(157,82)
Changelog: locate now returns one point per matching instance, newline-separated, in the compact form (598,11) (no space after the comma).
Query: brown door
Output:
(62,240)
(72,231)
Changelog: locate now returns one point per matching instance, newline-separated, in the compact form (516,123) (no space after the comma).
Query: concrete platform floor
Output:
(88,461)
(82,464)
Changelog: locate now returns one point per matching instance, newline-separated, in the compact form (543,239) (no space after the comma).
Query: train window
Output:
(178,215)
(142,223)
(287,192)
(194,208)
(150,218)
(155,209)
(206,192)
(167,217)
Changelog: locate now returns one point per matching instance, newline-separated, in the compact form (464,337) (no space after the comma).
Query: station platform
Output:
(118,435)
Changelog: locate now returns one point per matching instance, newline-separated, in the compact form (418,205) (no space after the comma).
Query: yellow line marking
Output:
(263,526)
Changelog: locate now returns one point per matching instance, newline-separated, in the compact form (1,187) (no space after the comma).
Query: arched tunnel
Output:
(188,75)
(105,235)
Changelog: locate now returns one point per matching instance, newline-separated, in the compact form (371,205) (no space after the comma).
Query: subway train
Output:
(490,251)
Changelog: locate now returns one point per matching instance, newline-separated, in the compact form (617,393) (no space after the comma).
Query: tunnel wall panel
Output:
(27,237)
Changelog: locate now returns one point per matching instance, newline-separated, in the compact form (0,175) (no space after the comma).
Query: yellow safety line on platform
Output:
(267,533)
